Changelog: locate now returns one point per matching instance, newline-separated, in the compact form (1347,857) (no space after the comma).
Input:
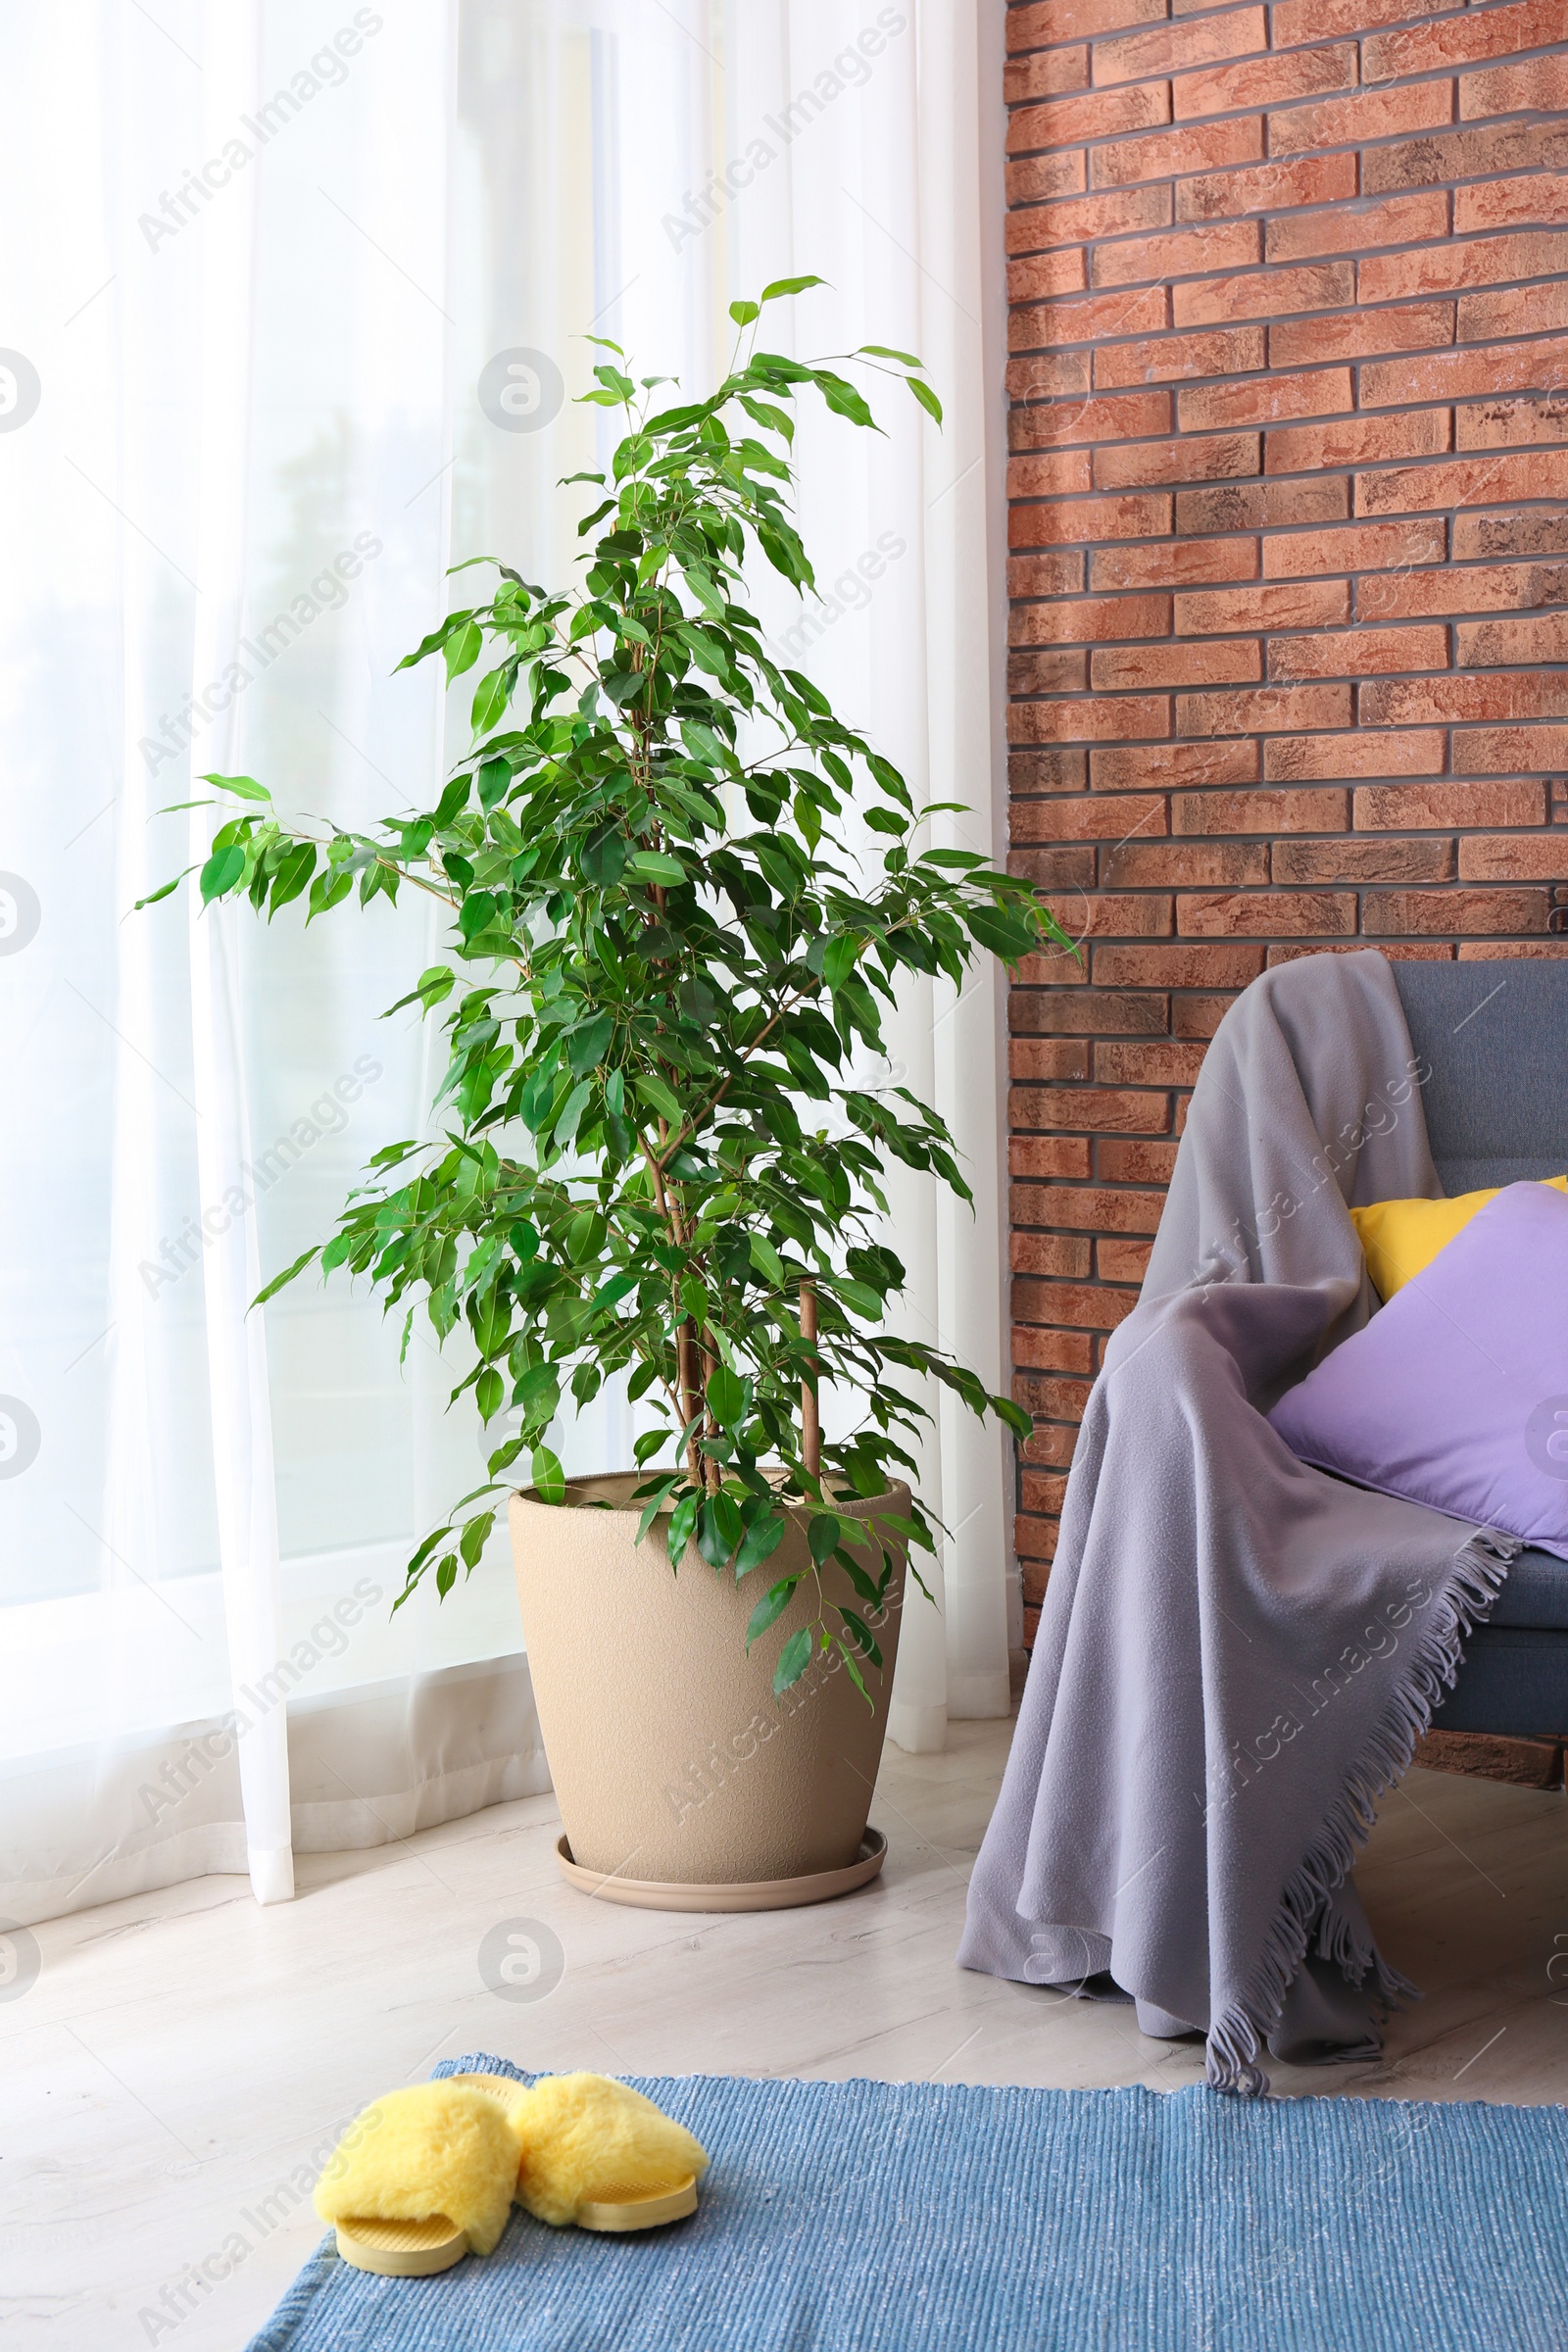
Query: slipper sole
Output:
(402,2249)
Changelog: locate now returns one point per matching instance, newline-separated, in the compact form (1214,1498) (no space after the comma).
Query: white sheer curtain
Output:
(299,328)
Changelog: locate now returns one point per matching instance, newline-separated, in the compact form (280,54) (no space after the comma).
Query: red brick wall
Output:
(1289,518)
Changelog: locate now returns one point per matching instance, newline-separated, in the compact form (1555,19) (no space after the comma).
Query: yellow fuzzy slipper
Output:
(421,2177)
(599,2154)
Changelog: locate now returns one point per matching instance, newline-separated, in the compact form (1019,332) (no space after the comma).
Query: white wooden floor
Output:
(183,2057)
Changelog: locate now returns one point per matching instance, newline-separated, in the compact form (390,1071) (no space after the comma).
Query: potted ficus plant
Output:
(665,960)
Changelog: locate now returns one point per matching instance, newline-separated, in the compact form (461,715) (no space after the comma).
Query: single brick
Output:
(1087,1209)
(1530,531)
(1358,652)
(1173,765)
(1060,424)
(1189,965)
(1047,375)
(1048,1155)
(1356,335)
(1138,915)
(1122,669)
(1425,859)
(1439,268)
(1534,84)
(1317,19)
(1165,49)
(1125,1064)
(1059,573)
(1404,808)
(1358,441)
(1505,751)
(1267,188)
(1267,913)
(1121,1261)
(1083,1305)
(1199,1016)
(1263,81)
(1179,253)
(1456,155)
(1089,619)
(1075,20)
(1292,605)
(1122,1162)
(1069,866)
(1205,456)
(1461,40)
(1039,276)
(1262,506)
(1539,196)
(1073,1011)
(1368,114)
(1360,547)
(1318,392)
(1067,121)
(1384,913)
(1076,521)
(1096,819)
(1270,813)
(1173,564)
(1046,771)
(1183,866)
(1065,1256)
(1425,702)
(1495,951)
(1445,374)
(1042,1491)
(1162,154)
(1357,227)
(1397,952)
(1531,310)
(1079,318)
(1506,858)
(1300,757)
(1511,424)
(1047,670)
(1487,643)
(1165,359)
(1264,294)
(1077,219)
(1462,588)
(1053,1399)
(1026,79)
(1040,1058)
(1265,710)
(1101,1109)
(1073,721)
(1055,474)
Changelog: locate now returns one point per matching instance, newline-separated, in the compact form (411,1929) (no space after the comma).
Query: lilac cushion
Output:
(1456,1393)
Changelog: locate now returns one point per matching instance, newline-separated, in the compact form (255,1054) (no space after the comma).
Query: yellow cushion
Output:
(1401,1237)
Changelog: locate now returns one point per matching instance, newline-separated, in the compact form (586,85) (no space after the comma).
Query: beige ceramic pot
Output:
(683,1782)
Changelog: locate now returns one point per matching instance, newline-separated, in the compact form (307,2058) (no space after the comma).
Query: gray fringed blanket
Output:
(1237,1653)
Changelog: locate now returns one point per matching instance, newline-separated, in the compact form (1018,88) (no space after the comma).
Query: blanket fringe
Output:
(1234,2039)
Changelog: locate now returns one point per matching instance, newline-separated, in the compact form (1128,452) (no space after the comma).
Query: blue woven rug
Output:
(890,2218)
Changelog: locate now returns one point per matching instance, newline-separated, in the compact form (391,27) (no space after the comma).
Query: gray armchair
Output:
(1496,1038)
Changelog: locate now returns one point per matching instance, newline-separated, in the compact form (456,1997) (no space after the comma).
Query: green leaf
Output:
(656,1093)
(719,1529)
(743,313)
(461,649)
(222,871)
(652,865)
(244,788)
(885,351)
(789,285)
(793,1660)
(475,1536)
(682,1519)
(925,396)
(549,1478)
(278,1280)
(823,1535)
(490,698)
(759,1543)
(767,1262)
(768,1611)
(726,1401)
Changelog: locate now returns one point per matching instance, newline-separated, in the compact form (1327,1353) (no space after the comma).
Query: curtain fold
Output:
(272,319)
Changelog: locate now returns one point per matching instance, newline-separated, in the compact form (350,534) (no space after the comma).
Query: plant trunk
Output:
(810,1420)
